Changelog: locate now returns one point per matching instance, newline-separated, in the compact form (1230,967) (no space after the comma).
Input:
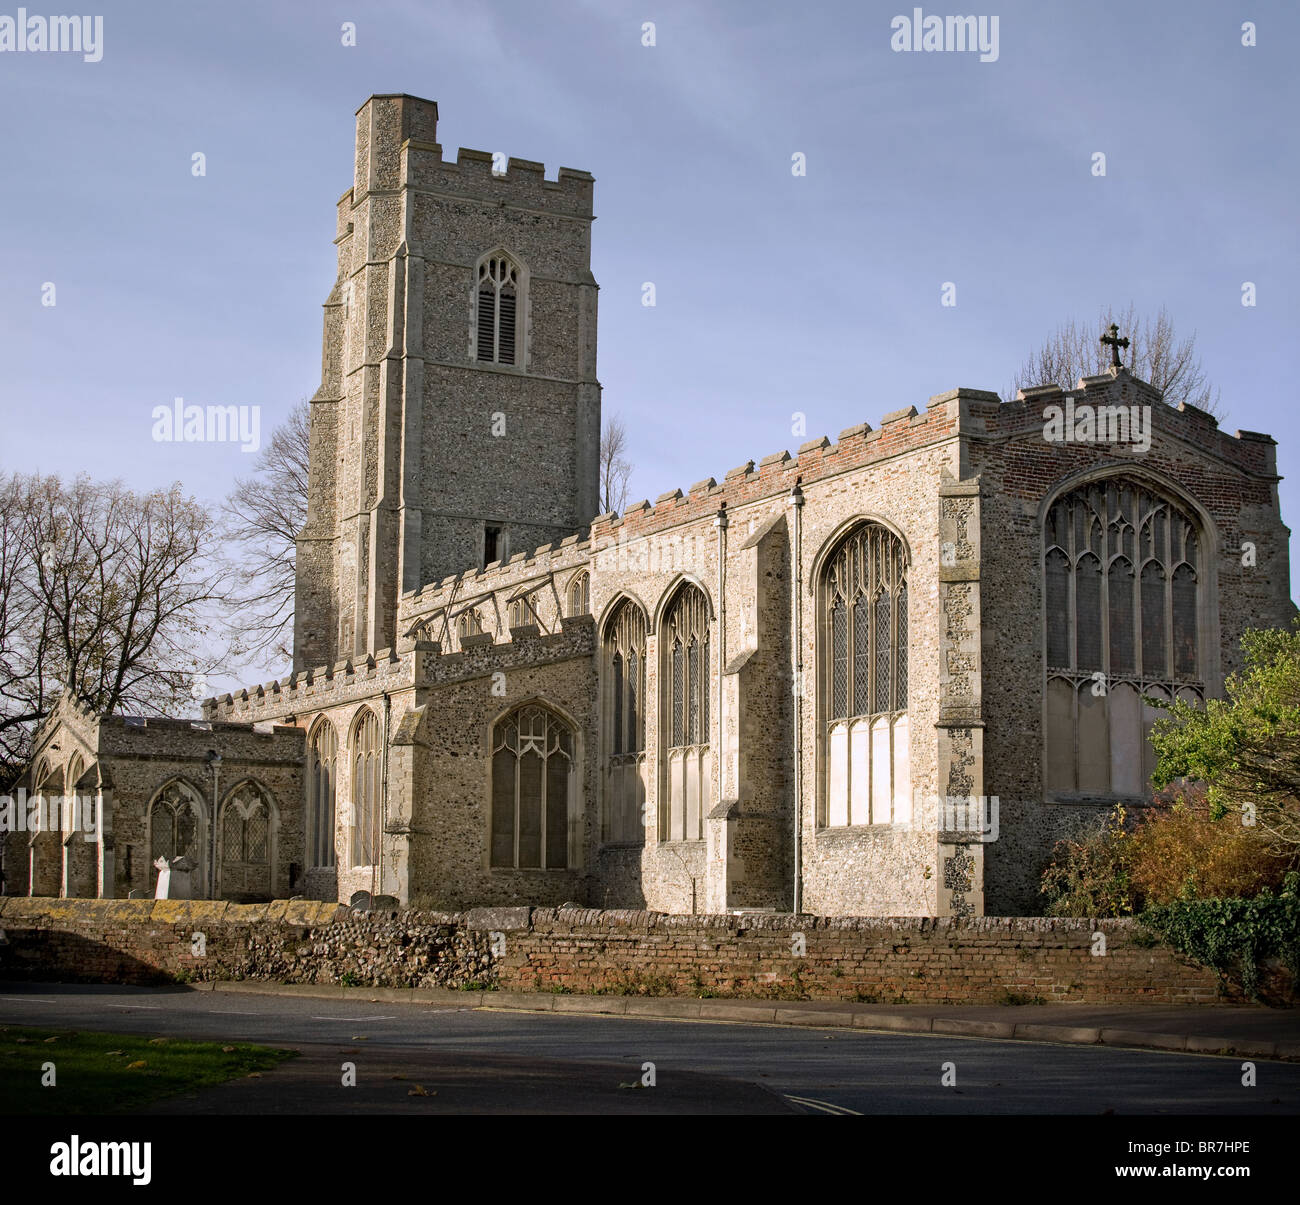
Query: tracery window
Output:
(522,611)
(176,829)
(533,786)
(322,785)
(624,648)
(245,862)
(580,594)
(685,672)
(498,294)
(1122,569)
(469,624)
(366,770)
(864,680)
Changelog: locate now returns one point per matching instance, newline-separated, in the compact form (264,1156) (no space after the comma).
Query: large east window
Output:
(1122,568)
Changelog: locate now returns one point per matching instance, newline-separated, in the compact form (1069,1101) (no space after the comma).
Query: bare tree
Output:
(263,515)
(615,468)
(1155,354)
(104,593)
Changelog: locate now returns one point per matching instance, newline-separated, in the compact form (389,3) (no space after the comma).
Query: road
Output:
(485,1061)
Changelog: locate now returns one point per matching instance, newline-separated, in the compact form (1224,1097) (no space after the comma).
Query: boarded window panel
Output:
(1126,776)
(1060,736)
(1088,613)
(839,661)
(1120,588)
(837,779)
(860,773)
(902,772)
(503,808)
(486,323)
(1155,657)
(530,809)
(861,658)
(694,795)
(677,796)
(1058,610)
(1094,741)
(1184,591)
(881,784)
(557,810)
(1149,716)
(506,332)
(882,643)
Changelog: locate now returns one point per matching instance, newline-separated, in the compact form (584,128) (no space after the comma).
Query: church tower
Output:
(458,417)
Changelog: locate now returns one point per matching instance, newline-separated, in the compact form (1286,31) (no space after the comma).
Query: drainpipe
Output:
(721,523)
(214,761)
(377,871)
(796,504)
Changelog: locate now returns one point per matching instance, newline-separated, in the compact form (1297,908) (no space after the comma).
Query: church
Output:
(879,674)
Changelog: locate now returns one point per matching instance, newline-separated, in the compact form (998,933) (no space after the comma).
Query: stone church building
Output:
(879,674)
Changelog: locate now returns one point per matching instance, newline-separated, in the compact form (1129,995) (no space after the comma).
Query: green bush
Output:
(1235,936)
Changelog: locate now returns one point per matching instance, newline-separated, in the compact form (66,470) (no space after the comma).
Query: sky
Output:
(776,292)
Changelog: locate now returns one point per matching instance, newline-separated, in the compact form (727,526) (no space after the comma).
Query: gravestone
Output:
(360,901)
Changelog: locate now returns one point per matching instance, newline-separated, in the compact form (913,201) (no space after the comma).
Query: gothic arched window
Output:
(499,292)
(863,680)
(580,594)
(322,782)
(176,829)
(533,789)
(685,671)
(245,863)
(624,651)
(1122,567)
(366,770)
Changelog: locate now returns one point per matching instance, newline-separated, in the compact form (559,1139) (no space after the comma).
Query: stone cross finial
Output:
(1112,338)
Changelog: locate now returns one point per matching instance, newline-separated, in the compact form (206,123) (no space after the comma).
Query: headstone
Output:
(182,878)
(136,894)
(385,903)
(164,879)
(360,901)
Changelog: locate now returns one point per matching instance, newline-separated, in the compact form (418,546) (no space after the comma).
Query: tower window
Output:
(498,305)
(492,544)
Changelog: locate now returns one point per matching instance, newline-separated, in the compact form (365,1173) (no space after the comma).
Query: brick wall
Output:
(973,960)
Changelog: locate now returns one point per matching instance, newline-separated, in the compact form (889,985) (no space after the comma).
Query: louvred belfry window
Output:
(864,629)
(1122,569)
(498,305)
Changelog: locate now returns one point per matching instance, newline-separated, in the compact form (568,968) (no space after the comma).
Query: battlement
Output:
(397,147)
(1049,408)
(311,689)
(900,431)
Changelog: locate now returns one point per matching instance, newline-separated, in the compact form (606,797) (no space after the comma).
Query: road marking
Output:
(353,1018)
(151,1007)
(824,1106)
(29,999)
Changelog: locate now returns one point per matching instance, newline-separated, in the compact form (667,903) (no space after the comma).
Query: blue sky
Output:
(775,293)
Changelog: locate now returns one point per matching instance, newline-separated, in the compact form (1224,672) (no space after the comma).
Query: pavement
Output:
(1252,1032)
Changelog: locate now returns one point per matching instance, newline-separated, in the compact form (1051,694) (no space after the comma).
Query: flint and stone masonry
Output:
(762,693)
